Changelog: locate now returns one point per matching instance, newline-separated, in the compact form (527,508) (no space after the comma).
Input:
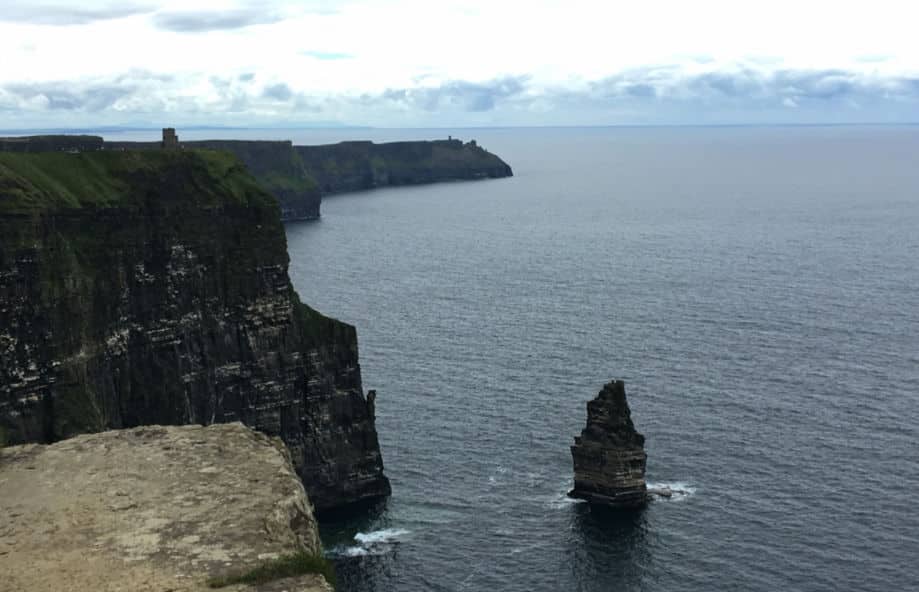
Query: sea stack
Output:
(609,456)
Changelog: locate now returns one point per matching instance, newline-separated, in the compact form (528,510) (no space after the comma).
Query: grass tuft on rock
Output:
(286,566)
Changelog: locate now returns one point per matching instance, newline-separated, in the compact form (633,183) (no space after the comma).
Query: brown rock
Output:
(150,508)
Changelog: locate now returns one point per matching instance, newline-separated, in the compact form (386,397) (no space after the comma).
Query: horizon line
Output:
(198,127)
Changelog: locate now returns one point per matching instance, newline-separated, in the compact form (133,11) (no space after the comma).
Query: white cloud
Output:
(414,61)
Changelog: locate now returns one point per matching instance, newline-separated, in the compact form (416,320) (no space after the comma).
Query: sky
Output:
(453,63)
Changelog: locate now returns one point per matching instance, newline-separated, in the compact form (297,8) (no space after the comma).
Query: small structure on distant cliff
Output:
(170,139)
(609,455)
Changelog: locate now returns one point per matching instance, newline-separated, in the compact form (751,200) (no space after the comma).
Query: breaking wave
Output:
(370,543)
(680,489)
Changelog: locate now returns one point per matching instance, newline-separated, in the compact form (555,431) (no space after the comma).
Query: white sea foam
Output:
(380,537)
(680,489)
(370,543)
(352,551)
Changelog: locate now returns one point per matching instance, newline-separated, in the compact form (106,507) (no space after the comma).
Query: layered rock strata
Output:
(151,287)
(609,456)
(150,509)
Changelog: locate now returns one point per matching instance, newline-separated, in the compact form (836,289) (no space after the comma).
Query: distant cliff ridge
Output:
(144,287)
(353,166)
(60,143)
(298,175)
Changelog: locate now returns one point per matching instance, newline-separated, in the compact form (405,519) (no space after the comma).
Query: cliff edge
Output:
(151,509)
(274,164)
(297,176)
(151,287)
(355,166)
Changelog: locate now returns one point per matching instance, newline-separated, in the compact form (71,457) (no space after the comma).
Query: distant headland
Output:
(298,176)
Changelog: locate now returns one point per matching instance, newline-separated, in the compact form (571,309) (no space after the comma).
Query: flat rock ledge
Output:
(151,509)
(609,455)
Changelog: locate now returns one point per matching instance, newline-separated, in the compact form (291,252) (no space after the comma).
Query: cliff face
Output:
(152,508)
(353,166)
(609,456)
(275,165)
(151,287)
(277,168)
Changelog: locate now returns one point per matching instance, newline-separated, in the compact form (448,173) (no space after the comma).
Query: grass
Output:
(318,330)
(286,566)
(48,181)
(2,436)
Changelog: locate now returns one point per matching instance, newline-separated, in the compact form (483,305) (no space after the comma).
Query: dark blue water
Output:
(755,287)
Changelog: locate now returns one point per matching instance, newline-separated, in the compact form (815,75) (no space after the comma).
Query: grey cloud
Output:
(39,13)
(663,94)
(826,85)
(640,90)
(63,96)
(745,86)
(278,92)
(195,22)
(468,96)
(741,84)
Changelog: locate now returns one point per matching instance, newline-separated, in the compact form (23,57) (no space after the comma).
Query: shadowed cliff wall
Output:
(354,166)
(151,287)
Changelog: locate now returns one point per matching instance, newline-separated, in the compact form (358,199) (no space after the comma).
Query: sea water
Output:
(757,289)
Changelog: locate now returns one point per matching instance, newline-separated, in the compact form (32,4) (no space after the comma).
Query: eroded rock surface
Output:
(609,456)
(150,509)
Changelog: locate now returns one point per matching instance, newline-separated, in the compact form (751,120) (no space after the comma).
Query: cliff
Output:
(275,165)
(152,509)
(609,456)
(297,176)
(354,166)
(151,287)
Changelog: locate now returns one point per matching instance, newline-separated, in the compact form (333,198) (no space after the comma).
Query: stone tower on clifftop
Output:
(170,139)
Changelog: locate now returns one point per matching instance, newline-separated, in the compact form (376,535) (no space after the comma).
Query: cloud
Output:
(39,13)
(327,55)
(278,92)
(749,86)
(62,96)
(653,95)
(468,96)
(202,21)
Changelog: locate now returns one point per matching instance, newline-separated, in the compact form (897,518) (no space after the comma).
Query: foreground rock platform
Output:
(609,456)
(151,509)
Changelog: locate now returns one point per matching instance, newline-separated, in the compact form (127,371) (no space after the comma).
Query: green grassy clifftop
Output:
(296,176)
(41,182)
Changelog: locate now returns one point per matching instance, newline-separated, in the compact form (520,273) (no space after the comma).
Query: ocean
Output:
(756,288)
